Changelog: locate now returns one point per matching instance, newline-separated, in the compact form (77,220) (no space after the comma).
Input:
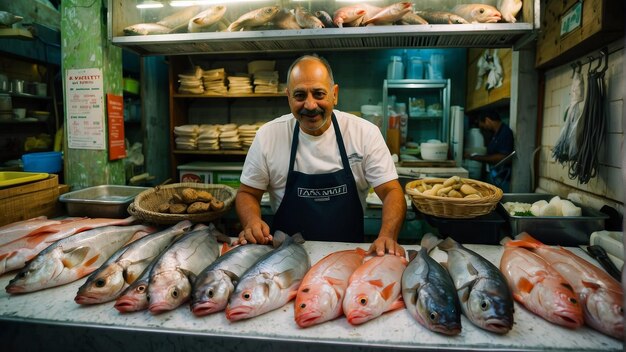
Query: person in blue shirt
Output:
(499,147)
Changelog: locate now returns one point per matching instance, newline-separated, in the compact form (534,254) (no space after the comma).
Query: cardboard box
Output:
(26,201)
(211,172)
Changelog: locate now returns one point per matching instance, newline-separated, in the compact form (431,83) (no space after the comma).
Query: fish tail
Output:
(447,244)
(298,238)
(505,240)
(429,241)
(526,237)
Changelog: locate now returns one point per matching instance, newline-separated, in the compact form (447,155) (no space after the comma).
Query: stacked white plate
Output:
(186,137)
(191,82)
(266,82)
(215,81)
(239,84)
(229,137)
(208,138)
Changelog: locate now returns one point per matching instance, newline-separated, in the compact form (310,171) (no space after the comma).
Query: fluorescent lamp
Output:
(149,4)
(182,3)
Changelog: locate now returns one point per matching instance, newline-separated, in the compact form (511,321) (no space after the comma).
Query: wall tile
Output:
(615,116)
(615,180)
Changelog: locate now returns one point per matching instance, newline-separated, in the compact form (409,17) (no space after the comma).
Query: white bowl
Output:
(434,151)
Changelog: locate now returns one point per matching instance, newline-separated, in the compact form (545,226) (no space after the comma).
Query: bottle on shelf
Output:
(395,68)
(403,120)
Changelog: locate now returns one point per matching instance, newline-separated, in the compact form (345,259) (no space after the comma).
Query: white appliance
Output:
(457,118)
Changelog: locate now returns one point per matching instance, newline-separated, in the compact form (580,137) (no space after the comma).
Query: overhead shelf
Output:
(480,35)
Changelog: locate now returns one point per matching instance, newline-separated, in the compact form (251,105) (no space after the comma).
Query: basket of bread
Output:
(196,202)
(455,197)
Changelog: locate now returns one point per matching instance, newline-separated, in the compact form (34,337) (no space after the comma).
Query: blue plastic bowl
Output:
(50,162)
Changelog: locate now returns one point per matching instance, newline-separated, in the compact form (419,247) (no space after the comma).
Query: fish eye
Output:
(573,300)
(433,316)
(141,288)
(100,283)
(246,295)
(175,293)
(484,305)
(303,305)
(210,293)
(363,301)
(482,10)
(306,290)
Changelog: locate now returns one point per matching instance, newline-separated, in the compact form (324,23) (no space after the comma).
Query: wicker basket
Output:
(147,202)
(456,208)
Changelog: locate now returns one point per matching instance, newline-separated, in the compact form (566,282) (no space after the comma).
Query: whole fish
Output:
(349,16)
(72,258)
(206,18)
(147,29)
(374,288)
(390,14)
(326,19)
(180,19)
(539,287)
(509,9)
(306,19)
(126,265)
(272,281)
(19,229)
(370,11)
(175,270)
(483,292)
(254,18)
(320,296)
(600,295)
(135,297)
(14,255)
(214,285)
(478,13)
(412,18)
(429,293)
(285,19)
(441,17)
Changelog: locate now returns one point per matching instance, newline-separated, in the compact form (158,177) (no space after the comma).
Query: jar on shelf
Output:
(395,68)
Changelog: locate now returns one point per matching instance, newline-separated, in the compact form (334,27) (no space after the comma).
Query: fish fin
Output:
(429,241)
(298,238)
(464,294)
(334,281)
(526,237)
(233,277)
(525,285)
(471,269)
(388,291)
(278,238)
(518,297)
(189,274)
(412,254)
(225,248)
(397,304)
(36,239)
(521,244)
(505,240)
(74,256)
(292,294)
(360,251)
(447,244)
(92,260)
(590,284)
(377,283)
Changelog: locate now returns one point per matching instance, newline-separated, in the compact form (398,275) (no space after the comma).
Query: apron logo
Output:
(322,194)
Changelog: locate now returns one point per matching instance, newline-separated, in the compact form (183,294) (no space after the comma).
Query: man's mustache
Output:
(313,112)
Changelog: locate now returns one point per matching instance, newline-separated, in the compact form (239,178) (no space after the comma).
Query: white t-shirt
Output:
(267,162)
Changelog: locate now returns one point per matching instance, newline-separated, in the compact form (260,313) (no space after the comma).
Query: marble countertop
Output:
(397,330)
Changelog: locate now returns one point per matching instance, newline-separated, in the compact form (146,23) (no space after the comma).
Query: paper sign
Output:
(115,117)
(85,108)
(572,19)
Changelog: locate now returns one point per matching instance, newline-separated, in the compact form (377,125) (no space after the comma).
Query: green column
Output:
(84,44)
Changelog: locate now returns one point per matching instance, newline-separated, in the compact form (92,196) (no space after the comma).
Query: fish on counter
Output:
(326,18)
(374,288)
(254,18)
(320,295)
(272,281)
(205,19)
(477,13)
(601,296)
(73,257)
(441,17)
(147,29)
(15,254)
(16,230)
(429,293)
(135,297)
(349,16)
(214,285)
(180,19)
(286,19)
(389,14)
(174,271)
(307,20)
(539,287)
(484,294)
(126,265)
(509,9)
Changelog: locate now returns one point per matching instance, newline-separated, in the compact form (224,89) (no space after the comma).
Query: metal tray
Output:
(553,230)
(106,201)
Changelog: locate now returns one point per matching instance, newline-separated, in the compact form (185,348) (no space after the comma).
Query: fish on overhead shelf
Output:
(509,9)
(350,16)
(412,18)
(326,18)
(254,18)
(286,19)
(147,29)
(205,19)
(306,19)
(478,13)
(441,17)
(390,14)
(180,19)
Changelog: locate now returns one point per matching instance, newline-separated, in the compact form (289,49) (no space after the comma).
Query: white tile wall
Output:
(609,182)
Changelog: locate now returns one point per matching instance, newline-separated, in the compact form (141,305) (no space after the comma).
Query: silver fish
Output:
(390,14)
(175,270)
(306,19)
(477,13)
(484,294)
(326,19)
(429,293)
(147,29)
(285,19)
(216,282)
(126,265)
(441,17)
(206,18)
(272,281)
(180,19)
(254,18)
(135,297)
(72,258)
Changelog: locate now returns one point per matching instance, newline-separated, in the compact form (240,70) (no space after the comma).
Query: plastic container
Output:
(373,114)
(415,69)
(474,139)
(434,151)
(436,67)
(395,68)
(50,162)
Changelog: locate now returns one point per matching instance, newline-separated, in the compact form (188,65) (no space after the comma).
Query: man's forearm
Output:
(393,214)
(248,208)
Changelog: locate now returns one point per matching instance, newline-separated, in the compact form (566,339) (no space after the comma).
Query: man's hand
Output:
(384,245)
(257,232)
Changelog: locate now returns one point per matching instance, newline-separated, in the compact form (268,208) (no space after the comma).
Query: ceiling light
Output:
(149,4)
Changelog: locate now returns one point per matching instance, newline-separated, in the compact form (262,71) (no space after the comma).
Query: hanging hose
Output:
(593,122)
(565,146)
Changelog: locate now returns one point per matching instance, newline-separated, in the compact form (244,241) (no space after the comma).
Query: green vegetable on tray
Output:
(523,213)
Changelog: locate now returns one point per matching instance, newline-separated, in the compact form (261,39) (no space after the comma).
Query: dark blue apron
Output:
(323,207)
